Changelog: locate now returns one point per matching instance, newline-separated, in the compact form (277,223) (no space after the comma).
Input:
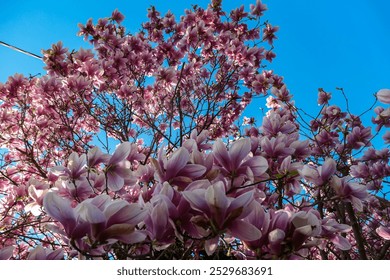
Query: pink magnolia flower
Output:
(99,218)
(76,167)
(160,222)
(275,147)
(383,232)
(383,96)
(323,97)
(177,170)
(258,8)
(306,224)
(117,16)
(223,212)
(95,156)
(350,191)
(238,160)
(331,230)
(36,191)
(321,174)
(118,172)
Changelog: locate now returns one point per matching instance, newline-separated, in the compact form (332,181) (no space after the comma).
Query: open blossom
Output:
(238,161)
(178,170)
(100,218)
(321,174)
(350,191)
(331,230)
(223,212)
(37,191)
(118,170)
(258,8)
(383,232)
(75,168)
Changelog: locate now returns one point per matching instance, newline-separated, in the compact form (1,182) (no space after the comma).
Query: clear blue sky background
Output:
(328,44)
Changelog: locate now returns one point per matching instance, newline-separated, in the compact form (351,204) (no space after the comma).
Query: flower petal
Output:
(178,160)
(56,255)
(117,232)
(38,253)
(60,209)
(258,165)
(383,232)
(90,213)
(193,171)
(384,96)
(327,169)
(6,253)
(239,150)
(114,211)
(114,181)
(244,230)
(216,197)
(121,153)
(276,236)
(241,201)
(211,245)
(221,154)
(197,201)
(341,242)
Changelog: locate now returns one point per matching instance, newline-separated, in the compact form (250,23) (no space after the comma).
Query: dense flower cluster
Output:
(184,181)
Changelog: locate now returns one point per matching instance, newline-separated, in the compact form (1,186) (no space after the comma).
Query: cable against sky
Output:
(20,50)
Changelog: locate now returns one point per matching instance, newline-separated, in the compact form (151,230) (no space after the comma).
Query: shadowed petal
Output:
(244,230)
(38,253)
(60,209)
(90,213)
(341,242)
(211,245)
(241,201)
(193,170)
(178,160)
(6,253)
(124,213)
(117,232)
(196,198)
(159,217)
(276,236)
(257,164)
(221,154)
(238,151)
(198,184)
(114,181)
(56,255)
(327,169)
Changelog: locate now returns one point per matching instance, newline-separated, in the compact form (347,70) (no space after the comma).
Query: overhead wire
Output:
(20,50)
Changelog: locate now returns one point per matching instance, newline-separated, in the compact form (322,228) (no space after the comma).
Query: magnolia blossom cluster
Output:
(134,150)
(210,200)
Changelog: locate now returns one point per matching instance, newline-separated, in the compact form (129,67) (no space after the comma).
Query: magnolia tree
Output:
(134,149)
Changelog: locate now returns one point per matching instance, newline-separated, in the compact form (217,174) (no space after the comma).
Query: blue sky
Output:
(327,44)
